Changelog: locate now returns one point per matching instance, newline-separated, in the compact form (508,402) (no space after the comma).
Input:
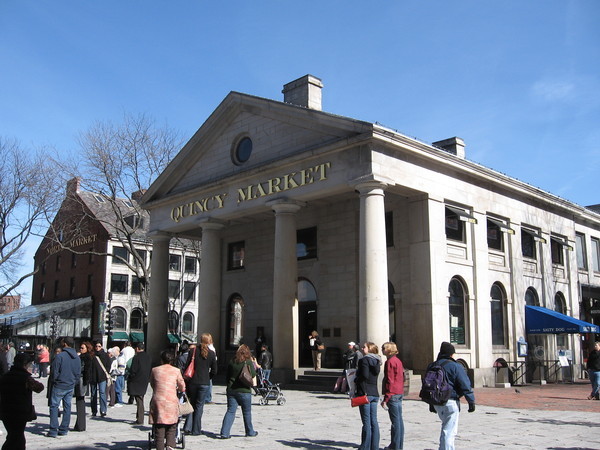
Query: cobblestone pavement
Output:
(538,417)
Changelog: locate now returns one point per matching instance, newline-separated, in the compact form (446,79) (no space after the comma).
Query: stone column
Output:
(158,305)
(373,273)
(209,298)
(285,285)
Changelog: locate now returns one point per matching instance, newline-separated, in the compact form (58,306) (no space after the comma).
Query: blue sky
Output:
(518,81)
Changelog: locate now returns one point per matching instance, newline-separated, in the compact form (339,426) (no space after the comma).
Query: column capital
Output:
(368,184)
(211,224)
(159,236)
(284,205)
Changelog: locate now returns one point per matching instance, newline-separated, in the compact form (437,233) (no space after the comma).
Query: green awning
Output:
(173,338)
(119,336)
(137,336)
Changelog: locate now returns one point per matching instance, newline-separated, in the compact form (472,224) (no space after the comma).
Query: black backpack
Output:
(435,388)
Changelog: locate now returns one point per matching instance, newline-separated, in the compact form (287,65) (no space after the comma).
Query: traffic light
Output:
(110,321)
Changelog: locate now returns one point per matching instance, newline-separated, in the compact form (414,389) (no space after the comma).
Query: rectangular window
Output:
(235,255)
(389,228)
(557,251)
(135,284)
(596,254)
(529,240)
(495,237)
(73,260)
(174,262)
(455,220)
(306,243)
(43,291)
(72,287)
(174,289)
(120,255)
(58,263)
(189,291)
(190,264)
(118,283)
(581,251)
(142,257)
(90,283)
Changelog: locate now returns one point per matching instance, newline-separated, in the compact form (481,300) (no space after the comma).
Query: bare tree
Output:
(118,162)
(28,195)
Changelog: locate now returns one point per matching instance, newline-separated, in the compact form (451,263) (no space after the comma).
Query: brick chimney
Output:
(454,145)
(73,186)
(305,91)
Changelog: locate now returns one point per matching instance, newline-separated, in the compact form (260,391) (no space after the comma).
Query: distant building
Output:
(315,221)
(10,303)
(84,255)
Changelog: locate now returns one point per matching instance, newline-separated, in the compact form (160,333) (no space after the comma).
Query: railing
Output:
(517,371)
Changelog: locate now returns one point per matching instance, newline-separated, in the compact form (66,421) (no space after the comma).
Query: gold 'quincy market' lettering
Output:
(75,242)
(198,206)
(284,183)
(272,186)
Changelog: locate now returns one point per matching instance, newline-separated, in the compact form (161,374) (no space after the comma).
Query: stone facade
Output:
(401,227)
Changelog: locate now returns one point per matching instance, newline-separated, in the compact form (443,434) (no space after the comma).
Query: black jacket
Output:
(16,387)
(266,360)
(139,374)
(593,362)
(366,375)
(205,368)
(96,374)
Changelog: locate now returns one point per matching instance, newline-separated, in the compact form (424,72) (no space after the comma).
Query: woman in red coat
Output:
(165,380)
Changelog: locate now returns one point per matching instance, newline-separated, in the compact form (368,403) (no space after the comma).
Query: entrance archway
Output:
(307,319)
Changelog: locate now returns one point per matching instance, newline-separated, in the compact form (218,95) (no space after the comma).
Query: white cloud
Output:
(553,90)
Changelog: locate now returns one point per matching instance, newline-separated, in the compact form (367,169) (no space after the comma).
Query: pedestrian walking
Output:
(16,407)
(139,377)
(593,367)
(460,385)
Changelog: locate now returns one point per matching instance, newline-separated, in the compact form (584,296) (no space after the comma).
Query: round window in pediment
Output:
(242,151)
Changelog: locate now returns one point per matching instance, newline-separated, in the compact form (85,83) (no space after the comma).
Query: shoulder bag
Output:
(191,368)
(360,400)
(109,379)
(245,376)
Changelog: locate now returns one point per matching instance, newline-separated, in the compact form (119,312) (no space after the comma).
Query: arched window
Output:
(458,312)
(531,297)
(187,326)
(119,318)
(236,320)
(560,305)
(173,322)
(306,291)
(498,300)
(137,319)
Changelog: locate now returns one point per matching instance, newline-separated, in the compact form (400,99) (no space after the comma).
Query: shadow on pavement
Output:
(318,444)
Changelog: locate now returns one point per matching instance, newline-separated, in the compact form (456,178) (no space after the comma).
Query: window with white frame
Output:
(458,309)
(529,240)
(187,324)
(596,254)
(498,315)
(174,262)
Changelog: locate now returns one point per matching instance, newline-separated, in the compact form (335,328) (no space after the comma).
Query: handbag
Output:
(184,405)
(245,376)
(190,370)
(321,347)
(109,379)
(360,400)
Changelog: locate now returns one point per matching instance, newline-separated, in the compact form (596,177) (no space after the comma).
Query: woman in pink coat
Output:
(165,380)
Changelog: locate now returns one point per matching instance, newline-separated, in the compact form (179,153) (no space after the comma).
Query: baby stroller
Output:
(268,391)
(179,436)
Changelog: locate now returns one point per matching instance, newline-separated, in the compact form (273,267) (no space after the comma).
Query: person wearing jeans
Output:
(65,372)
(593,367)
(393,392)
(457,378)
(99,368)
(238,394)
(366,384)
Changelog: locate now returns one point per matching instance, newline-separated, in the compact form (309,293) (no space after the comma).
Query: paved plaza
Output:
(540,417)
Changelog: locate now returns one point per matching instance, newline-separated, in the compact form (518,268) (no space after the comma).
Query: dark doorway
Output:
(307,322)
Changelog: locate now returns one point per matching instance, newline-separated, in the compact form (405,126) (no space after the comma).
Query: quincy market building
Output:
(313,221)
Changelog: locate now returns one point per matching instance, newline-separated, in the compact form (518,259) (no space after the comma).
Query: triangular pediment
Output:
(278,131)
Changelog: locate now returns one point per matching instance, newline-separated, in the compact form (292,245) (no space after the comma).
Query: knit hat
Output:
(447,349)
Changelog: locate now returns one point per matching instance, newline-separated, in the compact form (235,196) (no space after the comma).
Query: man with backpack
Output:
(444,383)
